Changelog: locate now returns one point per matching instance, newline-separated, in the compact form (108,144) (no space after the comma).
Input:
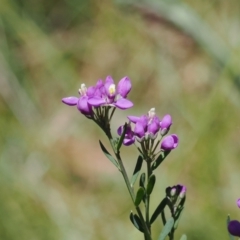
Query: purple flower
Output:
(169,142)
(165,124)
(153,127)
(146,125)
(238,202)
(106,94)
(234,228)
(82,102)
(129,135)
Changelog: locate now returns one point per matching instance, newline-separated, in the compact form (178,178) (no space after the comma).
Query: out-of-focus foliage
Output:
(55,182)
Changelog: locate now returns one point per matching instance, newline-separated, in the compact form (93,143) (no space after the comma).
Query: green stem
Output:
(147,234)
(147,201)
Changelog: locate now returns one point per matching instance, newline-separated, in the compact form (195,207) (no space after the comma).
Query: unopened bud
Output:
(183,192)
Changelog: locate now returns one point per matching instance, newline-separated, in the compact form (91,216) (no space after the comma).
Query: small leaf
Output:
(158,210)
(151,183)
(136,221)
(139,196)
(166,229)
(137,170)
(122,137)
(108,155)
(183,237)
(230,235)
(160,159)
(142,180)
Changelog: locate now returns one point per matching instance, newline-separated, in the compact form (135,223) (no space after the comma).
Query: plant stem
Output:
(147,234)
(147,201)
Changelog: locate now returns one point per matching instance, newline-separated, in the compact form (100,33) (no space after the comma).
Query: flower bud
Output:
(183,192)
(173,191)
(234,228)
(165,124)
(169,142)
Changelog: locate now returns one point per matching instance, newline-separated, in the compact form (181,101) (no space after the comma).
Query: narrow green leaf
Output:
(142,180)
(139,196)
(231,237)
(108,155)
(177,217)
(158,210)
(136,221)
(122,137)
(160,159)
(151,183)
(183,237)
(166,229)
(137,170)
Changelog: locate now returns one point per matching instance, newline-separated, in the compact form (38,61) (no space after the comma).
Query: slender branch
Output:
(147,201)
(147,234)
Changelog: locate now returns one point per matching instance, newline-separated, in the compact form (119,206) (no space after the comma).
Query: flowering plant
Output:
(149,134)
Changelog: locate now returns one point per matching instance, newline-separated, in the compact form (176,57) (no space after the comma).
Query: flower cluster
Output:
(176,195)
(234,225)
(98,103)
(147,127)
(102,94)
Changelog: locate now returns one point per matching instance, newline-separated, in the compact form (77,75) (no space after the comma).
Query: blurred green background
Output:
(183,58)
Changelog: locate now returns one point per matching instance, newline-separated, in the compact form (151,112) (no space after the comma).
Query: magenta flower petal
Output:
(71,101)
(169,142)
(96,101)
(139,130)
(83,106)
(124,87)
(166,121)
(128,142)
(91,91)
(234,228)
(238,202)
(123,103)
(109,80)
(144,121)
(153,128)
(133,119)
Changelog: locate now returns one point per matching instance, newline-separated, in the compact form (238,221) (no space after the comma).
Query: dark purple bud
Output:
(124,87)
(84,107)
(71,101)
(123,103)
(238,202)
(129,135)
(169,142)
(234,228)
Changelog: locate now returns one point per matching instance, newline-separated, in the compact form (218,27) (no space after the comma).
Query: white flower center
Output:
(83,90)
(151,113)
(112,89)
